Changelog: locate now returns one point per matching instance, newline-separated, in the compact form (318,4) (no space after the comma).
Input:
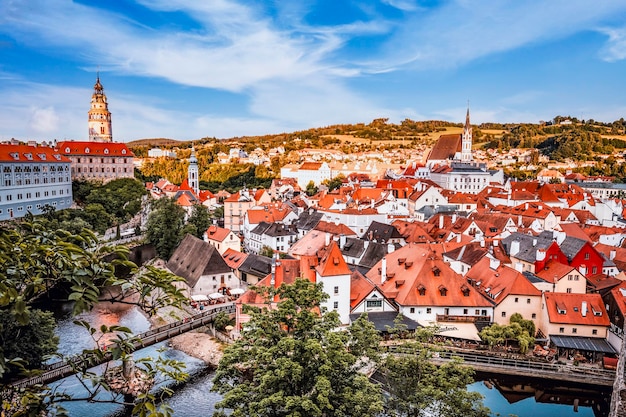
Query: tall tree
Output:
(419,388)
(291,361)
(200,220)
(165,225)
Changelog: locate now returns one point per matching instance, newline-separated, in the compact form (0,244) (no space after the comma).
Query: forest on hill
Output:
(563,138)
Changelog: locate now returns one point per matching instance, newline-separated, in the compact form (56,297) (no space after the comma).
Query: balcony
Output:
(442,318)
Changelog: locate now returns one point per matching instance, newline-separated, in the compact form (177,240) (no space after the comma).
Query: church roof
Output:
(27,153)
(446,147)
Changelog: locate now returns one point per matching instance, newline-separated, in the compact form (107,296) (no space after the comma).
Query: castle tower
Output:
(99,116)
(192,172)
(466,140)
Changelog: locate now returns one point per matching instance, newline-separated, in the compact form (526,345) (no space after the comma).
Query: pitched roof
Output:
(334,228)
(500,282)
(332,264)
(446,147)
(95,149)
(194,258)
(217,233)
(554,271)
(581,309)
(381,232)
(234,258)
(416,275)
(413,232)
(27,153)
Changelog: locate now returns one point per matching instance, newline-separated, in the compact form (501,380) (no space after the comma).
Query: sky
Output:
(188,69)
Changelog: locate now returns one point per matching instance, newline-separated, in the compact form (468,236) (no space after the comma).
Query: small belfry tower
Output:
(192,172)
(466,139)
(99,116)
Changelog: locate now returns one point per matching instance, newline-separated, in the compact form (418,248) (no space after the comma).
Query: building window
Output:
(516,299)
(534,316)
(574,330)
(336,305)
(594,270)
(561,329)
(587,256)
(570,277)
(504,314)
(528,301)
(412,310)
(374,303)
(569,290)
(476,312)
(465,311)
(594,331)
(429,310)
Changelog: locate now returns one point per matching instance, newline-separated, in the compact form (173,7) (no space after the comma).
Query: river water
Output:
(503,396)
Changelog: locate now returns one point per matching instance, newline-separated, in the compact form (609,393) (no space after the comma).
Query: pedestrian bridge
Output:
(62,369)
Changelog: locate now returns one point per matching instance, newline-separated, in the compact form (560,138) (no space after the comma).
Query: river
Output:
(504,396)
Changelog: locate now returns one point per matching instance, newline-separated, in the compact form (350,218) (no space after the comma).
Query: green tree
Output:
(291,361)
(417,387)
(200,219)
(311,189)
(336,182)
(164,229)
(267,251)
(35,258)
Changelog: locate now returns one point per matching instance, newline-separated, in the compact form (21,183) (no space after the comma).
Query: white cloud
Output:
(615,48)
(44,120)
(461,31)
(405,5)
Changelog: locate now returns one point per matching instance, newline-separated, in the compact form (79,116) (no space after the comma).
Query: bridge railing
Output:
(62,369)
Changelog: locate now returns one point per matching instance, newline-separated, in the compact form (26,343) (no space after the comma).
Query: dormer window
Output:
(123,151)
(436,271)
(67,150)
(42,156)
(87,150)
(15,155)
(421,289)
(57,157)
(443,291)
(465,290)
(106,151)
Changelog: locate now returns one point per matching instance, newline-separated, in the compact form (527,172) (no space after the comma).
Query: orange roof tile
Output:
(27,153)
(94,148)
(565,308)
(333,264)
(234,258)
(217,233)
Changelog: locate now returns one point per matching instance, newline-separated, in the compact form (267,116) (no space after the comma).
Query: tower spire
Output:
(99,116)
(466,138)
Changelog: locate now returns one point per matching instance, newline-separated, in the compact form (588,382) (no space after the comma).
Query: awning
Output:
(591,344)
(216,295)
(237,291)
(199,297)
(458,330)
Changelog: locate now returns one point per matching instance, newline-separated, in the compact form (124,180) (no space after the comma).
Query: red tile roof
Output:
(333,264)
(95,148)
(217,233)
(446,147)
(27,153)
(234,258)
(564,308)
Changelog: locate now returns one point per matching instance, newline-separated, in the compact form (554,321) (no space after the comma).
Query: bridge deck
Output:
(62,369)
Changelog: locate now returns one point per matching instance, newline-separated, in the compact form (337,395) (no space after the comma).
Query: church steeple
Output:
(99,116)
(466,139)
(192,172)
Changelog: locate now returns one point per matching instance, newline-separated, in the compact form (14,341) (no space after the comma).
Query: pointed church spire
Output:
(466,138)
(99,116)
(192,172)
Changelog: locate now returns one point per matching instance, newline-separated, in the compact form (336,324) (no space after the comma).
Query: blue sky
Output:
(187,69)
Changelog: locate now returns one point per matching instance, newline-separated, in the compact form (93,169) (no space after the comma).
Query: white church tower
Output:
(192,172)
(99,116)
(466,139)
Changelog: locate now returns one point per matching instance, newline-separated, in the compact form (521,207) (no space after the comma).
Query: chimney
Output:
(583,310)
(482,243)
(541,255)
(273,277)
(494,264)
(458,238)
(383,270)
(526,206)
(342,241)
(327,239)
(612,255)
(514,248)
(390,247)
(520,223)
(454,218)
(441,221)
(496,243)
(534,242)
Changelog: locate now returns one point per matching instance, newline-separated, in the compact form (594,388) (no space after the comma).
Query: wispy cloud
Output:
(406,5)
(615,49)
(461,31)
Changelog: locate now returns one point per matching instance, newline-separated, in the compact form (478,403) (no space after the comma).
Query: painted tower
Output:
(99,116)
(466,139)
(192,172)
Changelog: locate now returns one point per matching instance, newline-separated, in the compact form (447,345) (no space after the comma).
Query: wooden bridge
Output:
(62,369)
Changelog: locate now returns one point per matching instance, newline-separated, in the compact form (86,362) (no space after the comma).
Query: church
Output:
(451,163)
(454,147)
(99,158)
